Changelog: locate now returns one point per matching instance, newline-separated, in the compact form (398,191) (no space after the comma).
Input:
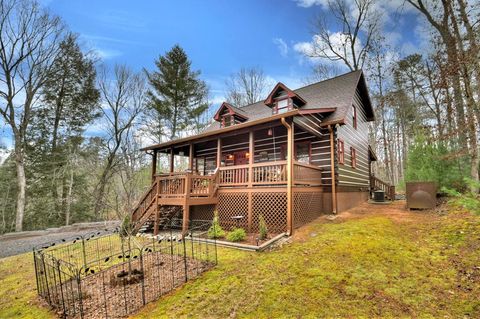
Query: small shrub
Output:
(216,231)
(469,200)
(262,228)
(237,234)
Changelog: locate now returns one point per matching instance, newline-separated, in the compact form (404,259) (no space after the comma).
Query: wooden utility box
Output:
(421,195)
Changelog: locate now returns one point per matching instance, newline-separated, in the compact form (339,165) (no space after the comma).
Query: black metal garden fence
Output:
(104,275)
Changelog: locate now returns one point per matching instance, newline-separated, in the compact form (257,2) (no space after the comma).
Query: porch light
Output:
(230,157)
(270,132)
(247,155)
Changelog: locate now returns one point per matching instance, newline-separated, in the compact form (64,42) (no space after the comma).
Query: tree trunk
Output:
(68,204)
(21,185)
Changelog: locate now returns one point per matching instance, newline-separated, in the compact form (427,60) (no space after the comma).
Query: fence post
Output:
(185,258)
(171,254)
(46,279)
(36,270)
(80,298)
(143,276)
(84,253)
(61,288)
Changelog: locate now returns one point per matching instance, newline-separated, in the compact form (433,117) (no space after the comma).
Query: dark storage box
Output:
(379,196)
(421,195)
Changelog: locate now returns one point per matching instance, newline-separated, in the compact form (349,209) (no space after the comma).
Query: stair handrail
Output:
(389,189)
(153,186)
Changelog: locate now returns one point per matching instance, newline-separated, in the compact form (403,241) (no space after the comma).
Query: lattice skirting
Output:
(202,212)
(271,204)
(306,207)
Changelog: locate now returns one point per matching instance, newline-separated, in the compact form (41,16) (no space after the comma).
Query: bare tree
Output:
(29,43)
(358,25)
(123,101)
(245,87)
(322,72)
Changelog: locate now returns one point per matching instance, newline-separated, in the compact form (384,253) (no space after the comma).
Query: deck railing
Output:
(269,173)
(378,184)
(307,174)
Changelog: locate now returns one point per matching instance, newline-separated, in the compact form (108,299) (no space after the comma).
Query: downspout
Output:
(289,176)
(332,165)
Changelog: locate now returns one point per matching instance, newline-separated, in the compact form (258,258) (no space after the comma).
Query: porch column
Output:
(190,157)
(290,134)
(186,205)
(172,160)
(219,151)
(154,164)
(251,151)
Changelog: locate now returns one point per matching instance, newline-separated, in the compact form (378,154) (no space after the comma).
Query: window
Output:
(354,117)
(353,155)
(282,106)
(227,120)
(341,152)
(302,152)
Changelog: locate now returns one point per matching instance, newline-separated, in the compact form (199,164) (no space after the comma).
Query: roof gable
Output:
(232,110)
(336,93)
(291,94)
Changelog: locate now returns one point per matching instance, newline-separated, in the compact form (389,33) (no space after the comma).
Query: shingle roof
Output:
(337,92)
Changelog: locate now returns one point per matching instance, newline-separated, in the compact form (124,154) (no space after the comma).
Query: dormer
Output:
(229,115)
(282,99)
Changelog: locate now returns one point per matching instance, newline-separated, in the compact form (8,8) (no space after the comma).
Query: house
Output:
(290,158)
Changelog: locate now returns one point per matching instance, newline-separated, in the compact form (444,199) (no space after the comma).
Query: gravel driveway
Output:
(14,245)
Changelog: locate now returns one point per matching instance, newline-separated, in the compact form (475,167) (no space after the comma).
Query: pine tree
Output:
(69,101)
(177,96)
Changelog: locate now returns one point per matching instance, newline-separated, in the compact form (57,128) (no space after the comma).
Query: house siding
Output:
(350,179)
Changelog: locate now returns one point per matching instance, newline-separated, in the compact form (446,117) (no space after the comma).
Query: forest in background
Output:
(51,89)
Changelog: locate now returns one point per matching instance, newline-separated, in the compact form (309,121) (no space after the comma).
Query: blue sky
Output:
(219,36)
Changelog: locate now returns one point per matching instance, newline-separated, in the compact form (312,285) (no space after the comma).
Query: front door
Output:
(240,158)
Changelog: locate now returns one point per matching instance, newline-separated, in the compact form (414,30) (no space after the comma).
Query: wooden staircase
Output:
(180,190)
(378,184)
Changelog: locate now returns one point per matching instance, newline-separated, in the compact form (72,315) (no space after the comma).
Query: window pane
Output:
(303,153)
(282,103)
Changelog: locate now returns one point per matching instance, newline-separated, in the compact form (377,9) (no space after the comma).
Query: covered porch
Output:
(259,170)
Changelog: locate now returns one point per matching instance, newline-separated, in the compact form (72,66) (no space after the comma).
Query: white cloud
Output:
(106,54)
(282,46)
(311,3)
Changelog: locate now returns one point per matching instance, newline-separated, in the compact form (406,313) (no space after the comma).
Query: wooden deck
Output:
(188,189)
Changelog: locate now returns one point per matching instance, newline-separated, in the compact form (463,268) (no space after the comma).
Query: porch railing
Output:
(378,184)
(270,173)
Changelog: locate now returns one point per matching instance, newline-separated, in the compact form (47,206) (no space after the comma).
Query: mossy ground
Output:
(373,261)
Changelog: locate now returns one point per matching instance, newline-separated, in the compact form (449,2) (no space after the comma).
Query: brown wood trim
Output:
(154,165)
(172,160)
(222,130)
(332,165)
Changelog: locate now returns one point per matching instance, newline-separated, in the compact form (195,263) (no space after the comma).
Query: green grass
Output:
(368,267)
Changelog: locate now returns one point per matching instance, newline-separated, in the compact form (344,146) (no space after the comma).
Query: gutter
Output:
(332,164)
(289,128)
(222,130)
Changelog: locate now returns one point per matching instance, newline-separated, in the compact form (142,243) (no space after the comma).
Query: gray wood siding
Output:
(358,139)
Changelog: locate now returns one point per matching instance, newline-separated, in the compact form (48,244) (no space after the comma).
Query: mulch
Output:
(105,295)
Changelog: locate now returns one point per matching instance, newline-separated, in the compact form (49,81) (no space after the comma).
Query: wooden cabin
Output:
(290,158)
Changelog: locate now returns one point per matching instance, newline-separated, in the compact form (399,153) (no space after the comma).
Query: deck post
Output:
(290,135)
(154,165)
(186,205)
(219,151)
(172,160)
(190,157)
(251,158)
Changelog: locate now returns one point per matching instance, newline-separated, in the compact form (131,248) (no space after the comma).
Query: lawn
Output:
(373,261)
